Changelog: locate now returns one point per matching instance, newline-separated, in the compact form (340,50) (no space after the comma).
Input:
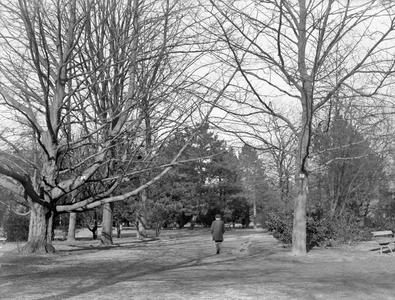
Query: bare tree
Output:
(291,49)
(102,85)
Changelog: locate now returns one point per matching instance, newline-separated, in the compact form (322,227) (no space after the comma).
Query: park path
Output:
(182,264)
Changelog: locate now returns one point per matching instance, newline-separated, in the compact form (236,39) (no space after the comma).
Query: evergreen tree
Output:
(206,182)
(348,171)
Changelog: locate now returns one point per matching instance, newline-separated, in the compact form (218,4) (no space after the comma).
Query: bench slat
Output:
(381,233)
(385,241)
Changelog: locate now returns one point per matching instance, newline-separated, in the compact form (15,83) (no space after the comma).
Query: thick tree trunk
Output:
(300,201)
(299,222)
(71,231)
(106,233)
(301,180)
(307,100)
(40,231)
(41,218)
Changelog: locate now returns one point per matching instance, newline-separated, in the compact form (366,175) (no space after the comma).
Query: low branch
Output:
(13,181)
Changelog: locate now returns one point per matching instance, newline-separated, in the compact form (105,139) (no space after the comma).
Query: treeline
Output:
(350,191)
(109,109)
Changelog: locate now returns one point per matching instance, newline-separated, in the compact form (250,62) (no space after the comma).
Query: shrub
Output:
(280,223)
(16,228)
(319,232)
(348,229)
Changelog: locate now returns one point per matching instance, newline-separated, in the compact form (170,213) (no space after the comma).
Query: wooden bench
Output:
(384,239)
(228,226)
(2,241)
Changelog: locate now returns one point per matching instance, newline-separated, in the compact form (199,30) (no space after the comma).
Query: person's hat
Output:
(218,216)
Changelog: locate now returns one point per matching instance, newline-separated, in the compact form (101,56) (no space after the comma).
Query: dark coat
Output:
(218,230)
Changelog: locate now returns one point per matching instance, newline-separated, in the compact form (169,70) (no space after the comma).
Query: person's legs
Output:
(218,246)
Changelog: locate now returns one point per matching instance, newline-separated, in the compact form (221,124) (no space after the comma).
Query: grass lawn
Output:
(182,264)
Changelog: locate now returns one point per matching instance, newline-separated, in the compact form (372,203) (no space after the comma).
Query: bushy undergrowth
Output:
(320,231)
(16,228)
(348,230)
(280,223)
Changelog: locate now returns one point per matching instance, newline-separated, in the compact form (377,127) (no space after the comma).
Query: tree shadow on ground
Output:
(88,274)
(118,273)
(188,266)
(124,245)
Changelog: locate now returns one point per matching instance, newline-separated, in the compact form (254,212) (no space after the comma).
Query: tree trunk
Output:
(41,218)
(193,222)
(140,226)
(106,233)
(119,229)
(71,232)
(40,231)
(334,206)
(299,222)
(93,229)
(302,185)
(158,227)
(301,180)
(247,219)
(141,221)
(254,210)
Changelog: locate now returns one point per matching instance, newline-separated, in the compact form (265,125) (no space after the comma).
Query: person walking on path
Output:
(119,229)
(217,231)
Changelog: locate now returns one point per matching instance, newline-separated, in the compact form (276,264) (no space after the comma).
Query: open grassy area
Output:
(182,264)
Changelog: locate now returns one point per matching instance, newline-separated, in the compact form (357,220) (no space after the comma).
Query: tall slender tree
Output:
(290,49)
